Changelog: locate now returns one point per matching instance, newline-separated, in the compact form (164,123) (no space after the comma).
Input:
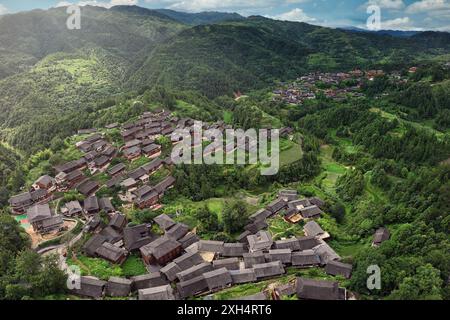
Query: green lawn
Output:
(103,269)
(332,169)
(96,267)
(289,152)
(133,266)
(280,228)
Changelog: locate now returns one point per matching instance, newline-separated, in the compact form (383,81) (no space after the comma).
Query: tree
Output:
(38,275)
(424,285)
(235,216)
(208,221)
(350,185)
(12,237)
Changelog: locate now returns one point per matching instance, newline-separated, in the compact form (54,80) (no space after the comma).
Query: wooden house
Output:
(161,251)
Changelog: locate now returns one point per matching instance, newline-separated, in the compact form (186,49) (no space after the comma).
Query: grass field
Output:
(280,228)
(289,152)
(133,266)
(332,169)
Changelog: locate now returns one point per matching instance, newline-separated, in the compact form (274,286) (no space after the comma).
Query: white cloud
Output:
(3,9)
(200,5)
(221,5)
(103,4)
(427,6)
(404,23)
(297,15)
(386,4)
(401,24)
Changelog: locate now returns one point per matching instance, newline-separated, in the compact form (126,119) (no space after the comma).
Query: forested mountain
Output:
(58,73)
(49,73)
(240,55)
(201,17)
(27,37)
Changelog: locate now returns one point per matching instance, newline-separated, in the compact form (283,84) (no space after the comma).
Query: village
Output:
(180,264)
(335,86)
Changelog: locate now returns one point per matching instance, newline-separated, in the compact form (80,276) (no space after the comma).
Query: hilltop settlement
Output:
(180,264)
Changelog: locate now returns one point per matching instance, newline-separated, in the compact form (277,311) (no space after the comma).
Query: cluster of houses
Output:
(181,265)
(97,156)
(306,87)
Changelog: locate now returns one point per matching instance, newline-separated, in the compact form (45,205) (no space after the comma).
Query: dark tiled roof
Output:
(310,212)
(234,249)
(261,215)
(305,258)
(112,253)
(210,246)
(90,287)
(194,271)
(150,280)
(116,169)
(91,204)
(256,226)
(137,236)
(307,243)
(118,287)
(164,221)
(188,240)
(191,287)
(292,244)
(165,184)
(253,258)
(95,242)
(317,289)
(160,247)
(170,271)
(218,279)
(243,276)
(336,268)
(87,187)
(276,205)
(283,255)
(230,264)
(312,228)
(162,293)
(381,235)
(270,269)
(38,213)
(118,221)
(106,205)
(188,260)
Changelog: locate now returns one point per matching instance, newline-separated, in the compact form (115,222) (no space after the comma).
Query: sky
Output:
(395,14)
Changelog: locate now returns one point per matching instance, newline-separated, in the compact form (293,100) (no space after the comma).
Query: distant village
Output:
(336,86)
(180,265)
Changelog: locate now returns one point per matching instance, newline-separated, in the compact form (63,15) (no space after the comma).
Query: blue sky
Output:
(395,14)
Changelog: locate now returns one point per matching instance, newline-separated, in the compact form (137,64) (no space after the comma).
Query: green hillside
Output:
(241,55)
